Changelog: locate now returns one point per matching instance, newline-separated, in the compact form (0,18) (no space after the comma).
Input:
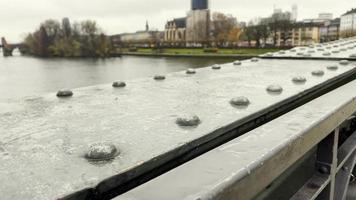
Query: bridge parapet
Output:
(46,141)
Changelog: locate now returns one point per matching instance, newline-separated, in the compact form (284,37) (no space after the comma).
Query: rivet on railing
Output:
(188,120)
(237,62)
(119,84)
(274,89)
(299,79)
(332,67)
(64,93)
(191,71)
(254,60)
(318,73)
(344,62)
(102,152)
(216,67)
(159,77)
(240,101)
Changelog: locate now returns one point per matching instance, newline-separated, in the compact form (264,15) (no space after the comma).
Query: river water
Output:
(22,76)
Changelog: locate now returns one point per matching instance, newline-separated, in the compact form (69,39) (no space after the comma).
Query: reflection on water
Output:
(27,76)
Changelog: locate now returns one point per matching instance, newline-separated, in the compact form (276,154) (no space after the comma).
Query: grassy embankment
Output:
(199,52)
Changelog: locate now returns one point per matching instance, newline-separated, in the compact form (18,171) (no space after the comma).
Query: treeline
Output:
(279,25)
(55,39)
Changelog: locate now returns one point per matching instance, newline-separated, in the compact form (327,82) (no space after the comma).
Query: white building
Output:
(348,24)
(326,16)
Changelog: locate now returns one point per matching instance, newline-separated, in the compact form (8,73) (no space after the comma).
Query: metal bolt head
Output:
(344,62)
(216,67)
(254,60)
(188,121)
(101,152)
(240,101)
(159,77)
(64,93)
(332,67)
(191,71)
(274,89)
(237,62)
(299,79)
(318,73)
(119,84)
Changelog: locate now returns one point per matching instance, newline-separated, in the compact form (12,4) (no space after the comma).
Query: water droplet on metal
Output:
(64,93)
(119,84)
(299,79)
(159,77)
(188,120)
(344,62)
(240,101)
(332,67)
(216,67)
(318,73)
(191,71)
(274,89)
(101,152)
(237,62)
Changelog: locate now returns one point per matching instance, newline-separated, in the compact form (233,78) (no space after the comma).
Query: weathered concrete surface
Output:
(217,174)
(43,140)
(341,49)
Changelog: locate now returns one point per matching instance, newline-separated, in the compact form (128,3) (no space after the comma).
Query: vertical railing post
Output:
(327,162)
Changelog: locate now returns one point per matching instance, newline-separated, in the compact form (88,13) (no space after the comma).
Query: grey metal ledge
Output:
(243,167)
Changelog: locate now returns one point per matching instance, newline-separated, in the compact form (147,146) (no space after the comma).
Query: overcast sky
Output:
(18,17)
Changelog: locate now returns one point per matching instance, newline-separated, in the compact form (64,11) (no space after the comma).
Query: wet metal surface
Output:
(44,140)
(336,50)
(232,171)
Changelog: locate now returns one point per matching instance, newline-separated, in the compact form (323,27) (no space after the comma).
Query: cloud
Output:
(115,16)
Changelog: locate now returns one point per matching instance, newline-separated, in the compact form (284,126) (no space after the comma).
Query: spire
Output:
(147,27)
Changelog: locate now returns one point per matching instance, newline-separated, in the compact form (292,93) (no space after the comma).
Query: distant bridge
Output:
(8,48)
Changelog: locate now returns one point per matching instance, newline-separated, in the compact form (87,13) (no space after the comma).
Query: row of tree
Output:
(55,39)
(267,27)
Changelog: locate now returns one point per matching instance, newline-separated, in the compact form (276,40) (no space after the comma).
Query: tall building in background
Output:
(294,16)
(200,4)
(198,22)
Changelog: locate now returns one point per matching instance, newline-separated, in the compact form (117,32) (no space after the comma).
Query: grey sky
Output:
(18,17)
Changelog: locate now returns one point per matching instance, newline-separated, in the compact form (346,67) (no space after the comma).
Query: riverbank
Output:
(243,53)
